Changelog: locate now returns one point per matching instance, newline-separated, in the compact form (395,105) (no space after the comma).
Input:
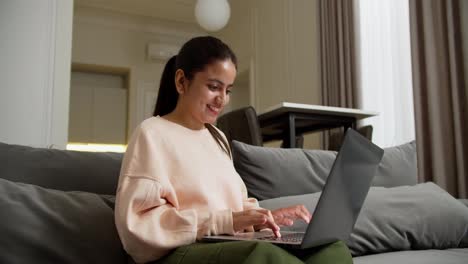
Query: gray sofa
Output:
(57,206)
(401,221)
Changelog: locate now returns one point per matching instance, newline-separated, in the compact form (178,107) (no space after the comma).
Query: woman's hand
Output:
(254,219)
(287,216)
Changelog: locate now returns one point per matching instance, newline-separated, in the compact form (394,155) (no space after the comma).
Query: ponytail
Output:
(222,143)
(167,94)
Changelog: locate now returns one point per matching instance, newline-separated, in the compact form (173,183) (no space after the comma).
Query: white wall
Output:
(35,71)
(112,39)
(278,42)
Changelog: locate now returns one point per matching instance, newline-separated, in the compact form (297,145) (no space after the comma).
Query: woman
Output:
(178,182)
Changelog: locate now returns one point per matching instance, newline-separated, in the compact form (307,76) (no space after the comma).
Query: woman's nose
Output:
(220,99)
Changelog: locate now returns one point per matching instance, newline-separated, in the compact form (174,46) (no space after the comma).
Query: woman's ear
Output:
(180,81)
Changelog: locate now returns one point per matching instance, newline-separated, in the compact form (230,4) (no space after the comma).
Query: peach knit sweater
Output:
(175,185)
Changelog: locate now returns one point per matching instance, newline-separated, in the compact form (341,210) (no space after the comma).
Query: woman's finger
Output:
(247,219)
(303,213)
(287,216)
(297,211)
(270,223)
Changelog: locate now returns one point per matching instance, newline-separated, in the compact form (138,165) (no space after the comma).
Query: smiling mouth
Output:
(216,110)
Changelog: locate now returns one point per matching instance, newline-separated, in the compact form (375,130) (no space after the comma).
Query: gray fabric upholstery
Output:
(275,172)
(464,201)
(401,218)
(398,166)
(410,217)
(430,256)
(41,225)
(37,219)
(61,169)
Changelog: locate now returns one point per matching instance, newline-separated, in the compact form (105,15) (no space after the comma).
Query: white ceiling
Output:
(173,10)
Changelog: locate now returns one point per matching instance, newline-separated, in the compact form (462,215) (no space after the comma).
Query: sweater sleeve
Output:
(149,226)
(147,215)
(248,202)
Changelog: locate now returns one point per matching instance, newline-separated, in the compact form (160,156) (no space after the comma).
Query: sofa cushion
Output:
(429,256)
(464,201)
(398,166)
(276,172)
(61,169)
(422,216)
(51,226)
(272,172)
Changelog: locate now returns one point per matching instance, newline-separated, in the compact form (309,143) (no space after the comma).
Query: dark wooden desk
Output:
(287,120)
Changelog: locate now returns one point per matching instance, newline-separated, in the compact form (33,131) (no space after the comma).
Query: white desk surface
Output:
(317,109)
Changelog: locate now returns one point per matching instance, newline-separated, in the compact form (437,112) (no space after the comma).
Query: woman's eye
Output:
(213,87)
(228,92)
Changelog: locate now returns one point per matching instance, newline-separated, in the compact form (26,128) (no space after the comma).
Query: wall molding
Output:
(287,7)
(184,2)
(169,10)
(50,79)
(254,59)
(292,34)
(165,30)
(147,93)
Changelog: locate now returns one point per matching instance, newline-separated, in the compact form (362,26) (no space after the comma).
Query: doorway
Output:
(99,98)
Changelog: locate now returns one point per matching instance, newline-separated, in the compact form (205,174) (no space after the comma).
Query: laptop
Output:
(339,204)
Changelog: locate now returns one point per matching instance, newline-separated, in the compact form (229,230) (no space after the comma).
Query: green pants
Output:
(251,252)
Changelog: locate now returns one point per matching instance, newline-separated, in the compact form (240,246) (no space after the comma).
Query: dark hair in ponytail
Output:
(167,94)
(193,57)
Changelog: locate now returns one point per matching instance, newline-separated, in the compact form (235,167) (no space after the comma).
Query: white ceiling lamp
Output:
(212,15)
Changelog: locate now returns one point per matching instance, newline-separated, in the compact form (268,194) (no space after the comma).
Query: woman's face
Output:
(205,96)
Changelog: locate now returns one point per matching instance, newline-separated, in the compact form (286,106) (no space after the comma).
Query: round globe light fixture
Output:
(212,15)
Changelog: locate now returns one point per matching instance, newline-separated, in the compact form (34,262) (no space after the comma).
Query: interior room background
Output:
(51,47)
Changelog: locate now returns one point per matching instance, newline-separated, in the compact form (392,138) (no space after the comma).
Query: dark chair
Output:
(336,137)
(242,125)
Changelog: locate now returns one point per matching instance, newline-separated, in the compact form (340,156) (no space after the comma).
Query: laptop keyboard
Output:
(293,237)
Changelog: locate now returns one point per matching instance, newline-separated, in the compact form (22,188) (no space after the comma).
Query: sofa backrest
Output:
(276,172)
(61,169)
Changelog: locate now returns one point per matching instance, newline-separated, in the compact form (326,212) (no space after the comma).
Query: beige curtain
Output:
(338,60)
(439,94)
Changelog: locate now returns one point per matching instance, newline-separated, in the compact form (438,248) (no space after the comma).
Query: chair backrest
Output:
(336,139)
(241,125)
(366,131)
